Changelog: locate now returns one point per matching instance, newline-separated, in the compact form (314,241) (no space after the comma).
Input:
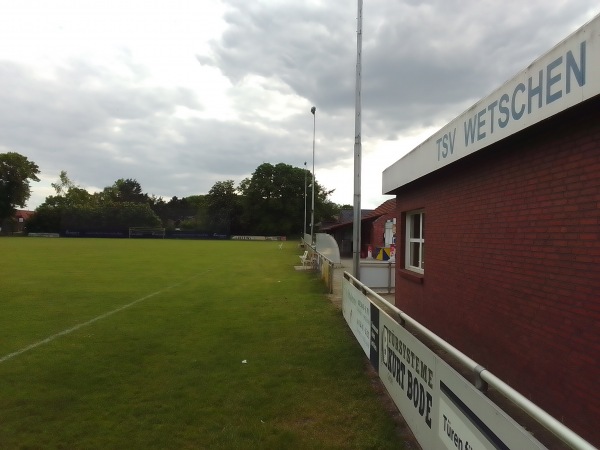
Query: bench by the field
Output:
(306,259)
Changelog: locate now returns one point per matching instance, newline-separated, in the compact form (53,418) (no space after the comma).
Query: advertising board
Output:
(565,76)
(441,407)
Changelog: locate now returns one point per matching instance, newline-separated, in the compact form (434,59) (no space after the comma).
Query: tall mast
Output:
(356,233)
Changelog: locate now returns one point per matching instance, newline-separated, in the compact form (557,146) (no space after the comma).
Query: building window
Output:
(415,241)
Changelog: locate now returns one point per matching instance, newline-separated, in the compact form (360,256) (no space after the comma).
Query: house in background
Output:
(16,224)
(373,225)
(507,199)
(21,217)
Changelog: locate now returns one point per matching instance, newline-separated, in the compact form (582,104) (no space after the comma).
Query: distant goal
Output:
(147,232)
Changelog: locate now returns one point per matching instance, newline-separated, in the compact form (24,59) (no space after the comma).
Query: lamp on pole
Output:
(304,229)
(313,110)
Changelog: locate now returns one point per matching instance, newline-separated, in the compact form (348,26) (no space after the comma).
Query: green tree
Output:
(274,200)
(109,217)
(116,208)
(160,208)
(180,209)
(189,212)
(224,208)
(48,216)
(125,190)
(199,202)
(15,173)
(68,193)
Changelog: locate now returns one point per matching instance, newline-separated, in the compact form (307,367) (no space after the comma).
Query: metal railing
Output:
(378,274)
(321,264)
(484,377)
(326,267)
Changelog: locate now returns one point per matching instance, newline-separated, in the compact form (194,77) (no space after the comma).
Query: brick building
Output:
(372,228)
(507,198)
(16,223)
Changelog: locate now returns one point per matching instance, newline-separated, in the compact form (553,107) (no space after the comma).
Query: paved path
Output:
(347,265)
(338,276)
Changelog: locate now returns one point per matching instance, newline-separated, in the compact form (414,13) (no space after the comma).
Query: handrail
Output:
(561,431)
(331,266)
(317,264)
(389,267)
(325,258)
(483,376)
(461,357)
(305,243)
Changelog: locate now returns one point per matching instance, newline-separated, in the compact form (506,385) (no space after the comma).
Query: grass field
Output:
(141,343)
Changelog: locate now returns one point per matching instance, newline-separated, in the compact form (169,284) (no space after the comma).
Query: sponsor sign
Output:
(357,312)
(248,238)
(258,238)
(565,76)
(443,409)
(407,370)
(466,416)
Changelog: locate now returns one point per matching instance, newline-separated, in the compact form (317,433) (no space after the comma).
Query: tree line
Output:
(271,201)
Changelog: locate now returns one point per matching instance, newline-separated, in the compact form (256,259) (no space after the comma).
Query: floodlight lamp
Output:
(313,110)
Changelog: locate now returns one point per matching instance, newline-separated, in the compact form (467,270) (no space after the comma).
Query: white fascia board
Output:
(565,76)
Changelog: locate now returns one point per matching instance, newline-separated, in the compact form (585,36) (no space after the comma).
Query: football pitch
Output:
(132,343)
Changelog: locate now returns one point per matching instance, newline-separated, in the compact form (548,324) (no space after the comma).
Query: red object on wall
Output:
(513,262)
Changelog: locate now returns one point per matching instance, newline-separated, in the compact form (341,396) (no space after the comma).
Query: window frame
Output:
(410,240)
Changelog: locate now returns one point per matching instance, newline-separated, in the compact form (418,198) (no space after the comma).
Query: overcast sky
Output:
(181,94)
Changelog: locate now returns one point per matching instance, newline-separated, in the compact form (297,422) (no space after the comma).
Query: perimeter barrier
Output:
(441,406)
(326,268)
(320,263)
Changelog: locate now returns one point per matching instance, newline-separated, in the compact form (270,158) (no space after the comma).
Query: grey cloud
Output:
(423,62)
(118,129)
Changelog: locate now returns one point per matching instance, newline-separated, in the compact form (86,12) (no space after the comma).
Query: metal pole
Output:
(356,233)
(304,228)
(313,110)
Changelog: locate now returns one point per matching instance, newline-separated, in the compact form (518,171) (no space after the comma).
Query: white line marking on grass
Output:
(91,321)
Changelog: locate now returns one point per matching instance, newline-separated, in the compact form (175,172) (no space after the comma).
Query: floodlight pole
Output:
(304,229)
(313,110)
(356,233)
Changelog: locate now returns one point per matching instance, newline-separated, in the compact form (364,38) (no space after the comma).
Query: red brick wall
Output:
(512,262)
(378,230)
